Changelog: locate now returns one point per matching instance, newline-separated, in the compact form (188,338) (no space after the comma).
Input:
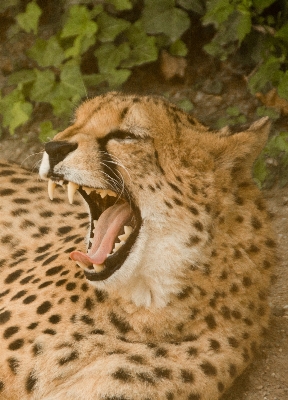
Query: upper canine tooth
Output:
(72,187)
(51,188)
(98,268)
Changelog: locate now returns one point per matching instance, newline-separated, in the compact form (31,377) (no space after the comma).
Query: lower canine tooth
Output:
(81,265)
(98,268)
(72,187)
(51,188)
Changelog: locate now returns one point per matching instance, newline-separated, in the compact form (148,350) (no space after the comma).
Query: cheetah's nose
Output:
(57,151)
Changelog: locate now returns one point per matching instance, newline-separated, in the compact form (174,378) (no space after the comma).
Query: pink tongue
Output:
(107,229)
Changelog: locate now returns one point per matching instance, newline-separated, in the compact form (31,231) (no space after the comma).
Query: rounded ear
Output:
(242,149)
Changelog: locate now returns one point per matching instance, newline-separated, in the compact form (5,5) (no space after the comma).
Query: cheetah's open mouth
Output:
(115,224)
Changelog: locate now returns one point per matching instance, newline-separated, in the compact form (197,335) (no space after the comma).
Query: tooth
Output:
(72,187)
(128,229)
(123,237)
(51,188)
(87,189)
(81,265)
(60,183)
(117,246)
(111,193)
(95,222)
(98,268)
(103,193)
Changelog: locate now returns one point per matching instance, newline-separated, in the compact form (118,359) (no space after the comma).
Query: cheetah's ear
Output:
(244,147)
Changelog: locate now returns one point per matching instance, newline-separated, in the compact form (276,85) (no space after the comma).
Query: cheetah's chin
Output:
(112,218)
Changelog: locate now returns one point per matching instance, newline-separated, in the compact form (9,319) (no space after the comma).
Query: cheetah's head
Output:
(146,171)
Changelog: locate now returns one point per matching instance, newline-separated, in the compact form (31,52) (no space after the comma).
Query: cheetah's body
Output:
(184,314)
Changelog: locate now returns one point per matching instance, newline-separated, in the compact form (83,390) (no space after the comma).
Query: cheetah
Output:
(152,284)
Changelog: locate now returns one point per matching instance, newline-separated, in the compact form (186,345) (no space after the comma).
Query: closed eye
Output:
(121,135)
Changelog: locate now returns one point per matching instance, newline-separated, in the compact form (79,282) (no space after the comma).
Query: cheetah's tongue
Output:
(108,227)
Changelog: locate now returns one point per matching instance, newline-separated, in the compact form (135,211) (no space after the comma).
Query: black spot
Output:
(44,230)
(210,321)
(19,253)
(89,304)
(46,214)
(232,370)
(31,382)
(49,332)
(70,286)
(236,314)
(44,307)
(237,254)
(35,189)
(54,319)
(266,264)
(161,352)
(169,205)
(233,342)
(177,201)
(74,298)
(4,317)
(185,292)
(87,320)
(64,229)
(253,249)
(16,344)
(234,288)
(187,376)
(194,396)
(7,192)
(97,332)
(3,294)
(199,226)
(33,325)
(101,296)
(193,240)
(208,368)
(175,188)
(29,299)
(37,349)
(145,377)
(41,249)
(270,243)
(49,260)
(151,188)
(248,321)
(84,286)
(120,324)
(19,211)
(60,282)
(247,282)
(27,279)
(239,200)
(72,356)
(7,172)
(239,219)
(256,223)
(215,345)
(45,284)
(6,239)
(13,365)
(137,359)
(192,351)
(54,270)
(220,386)
(13,276)
(122,375)
(10,331)
(163,373)
(77,336)
(170,396)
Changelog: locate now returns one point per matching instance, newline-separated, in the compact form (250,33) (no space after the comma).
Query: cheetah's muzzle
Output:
(113,218)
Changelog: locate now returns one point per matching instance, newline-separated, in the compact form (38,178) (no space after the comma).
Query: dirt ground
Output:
(211,87)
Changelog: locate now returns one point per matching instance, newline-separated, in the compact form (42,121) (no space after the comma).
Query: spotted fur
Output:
(187,310)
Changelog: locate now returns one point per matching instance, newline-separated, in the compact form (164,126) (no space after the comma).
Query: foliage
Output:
(119,35)
(272,165)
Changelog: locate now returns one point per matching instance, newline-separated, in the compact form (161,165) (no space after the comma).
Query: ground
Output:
(212,88)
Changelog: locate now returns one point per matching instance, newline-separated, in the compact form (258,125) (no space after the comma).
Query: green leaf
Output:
(80,45)
(121,5)
(109,56)
(71,79)
(93,79)
(268,74)
(28,20)
(21,77)
(43,86)
(47,52)
(178,48)
(78,23)
(185,104)
(260,170)
(270,112)
(46,131)
(110,27)
(282,33)
(143,47)
(8,3)
(233,111)
(169,20)
(260,5)
(116,78)
(195,6)
(217,12)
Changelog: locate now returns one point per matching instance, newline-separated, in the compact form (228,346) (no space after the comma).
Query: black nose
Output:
(57,151)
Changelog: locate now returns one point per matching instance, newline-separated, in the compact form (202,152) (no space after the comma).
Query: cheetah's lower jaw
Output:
(107,228)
